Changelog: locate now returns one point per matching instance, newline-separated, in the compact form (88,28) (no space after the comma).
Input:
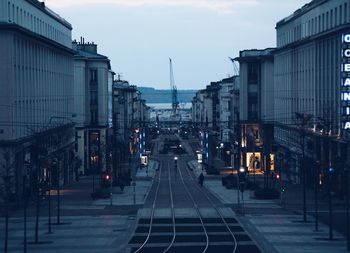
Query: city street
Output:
(174,126)
(181,216)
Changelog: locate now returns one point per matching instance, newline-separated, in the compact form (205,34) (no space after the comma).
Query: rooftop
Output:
(255,53)
(51,13)
(307,7)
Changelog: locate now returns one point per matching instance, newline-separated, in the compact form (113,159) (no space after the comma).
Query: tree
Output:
(6,174)
(39,158)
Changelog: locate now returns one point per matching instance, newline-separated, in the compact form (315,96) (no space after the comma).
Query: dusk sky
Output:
(139,36)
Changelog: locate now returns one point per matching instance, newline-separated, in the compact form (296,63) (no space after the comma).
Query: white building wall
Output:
(6,78)
(307,70)
(102,75)
(307,81)
(80,93)
(39,21)
(243,95)
(37,84)
(328,15)
(225,110)
(267,91)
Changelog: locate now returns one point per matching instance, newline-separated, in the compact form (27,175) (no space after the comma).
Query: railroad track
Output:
(181,223)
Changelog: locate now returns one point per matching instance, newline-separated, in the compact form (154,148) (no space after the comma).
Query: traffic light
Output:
(278,176)
(175,161)
(241,178)
(106,180)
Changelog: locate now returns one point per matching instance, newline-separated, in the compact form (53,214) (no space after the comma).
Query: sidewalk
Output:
(142,185)
(276,229)
(88,226)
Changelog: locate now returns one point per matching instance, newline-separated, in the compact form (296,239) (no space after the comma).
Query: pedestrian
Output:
(201,179)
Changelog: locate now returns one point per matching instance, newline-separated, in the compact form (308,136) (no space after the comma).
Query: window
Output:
(331,21)
(253,73)
(345,12)
(93,97)
(94,119)
(319,24)
(252,88)
(93,75)
(13,13)
(252,108)
(336,16)
(9,11)
(323,23)
(94,151)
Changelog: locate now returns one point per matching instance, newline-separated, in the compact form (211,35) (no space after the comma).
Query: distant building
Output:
(92,88)
(131,118)
(36,82)
(225,100)
(212,115)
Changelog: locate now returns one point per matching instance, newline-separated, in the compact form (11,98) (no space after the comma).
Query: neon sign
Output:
(345,82)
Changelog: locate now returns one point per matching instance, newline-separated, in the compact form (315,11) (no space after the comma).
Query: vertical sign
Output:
(345,82)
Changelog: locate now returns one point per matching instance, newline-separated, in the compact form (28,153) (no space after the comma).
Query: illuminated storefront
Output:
(94,152)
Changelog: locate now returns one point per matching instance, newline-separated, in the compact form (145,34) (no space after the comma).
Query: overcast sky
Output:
(139,36)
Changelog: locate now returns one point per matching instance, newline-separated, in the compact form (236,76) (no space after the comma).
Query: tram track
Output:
(183,218)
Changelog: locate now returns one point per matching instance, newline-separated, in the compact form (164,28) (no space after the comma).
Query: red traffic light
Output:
(107,177)
(278,177)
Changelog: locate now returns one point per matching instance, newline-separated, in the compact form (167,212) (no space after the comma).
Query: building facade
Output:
(92,79)
(256,110)
(308,89)
(131,118)
(36,79)
(214,120)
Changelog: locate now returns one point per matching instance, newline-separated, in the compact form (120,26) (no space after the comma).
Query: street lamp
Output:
(175,163)
(330,173)
(48,179)
(55,166)
(305,118)
(317,164)
(26,174)
(240,186)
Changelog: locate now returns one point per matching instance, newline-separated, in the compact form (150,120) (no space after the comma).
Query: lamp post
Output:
(48,178)
(317,164)
(238,199)
(330,172)
(305,118)
(241,177)
(7,202)
(58,190)
(26,174)
(38,197)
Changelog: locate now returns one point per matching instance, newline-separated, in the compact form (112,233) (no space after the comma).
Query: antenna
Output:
(120,75)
